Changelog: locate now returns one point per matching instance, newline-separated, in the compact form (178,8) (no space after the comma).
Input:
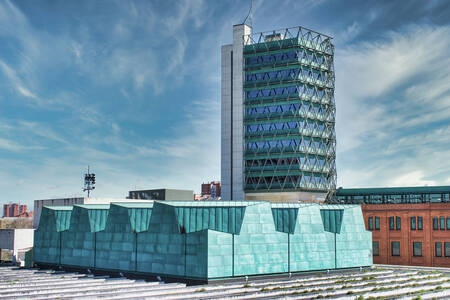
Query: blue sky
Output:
(132,88)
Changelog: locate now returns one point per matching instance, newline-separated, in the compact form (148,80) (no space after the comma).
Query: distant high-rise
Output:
(278,116)
(13,210)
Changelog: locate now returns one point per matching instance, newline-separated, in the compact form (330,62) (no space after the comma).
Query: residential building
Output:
(278,116)
(14,210)
(410,225)
(211,189)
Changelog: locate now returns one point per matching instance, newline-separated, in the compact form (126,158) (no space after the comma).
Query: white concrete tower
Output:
(232,116)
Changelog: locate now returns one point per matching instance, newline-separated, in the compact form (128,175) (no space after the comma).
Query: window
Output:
(441,223)
(376,248)
(435,223)
(391,223)
(447,249)
(413,223)
(398,223)
(370,223)
(419,223)
(438,249)
(395,247)
(417,249)
(377,223)
(448,223)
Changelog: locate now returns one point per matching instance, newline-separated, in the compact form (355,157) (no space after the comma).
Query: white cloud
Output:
(391,95)
(415,178)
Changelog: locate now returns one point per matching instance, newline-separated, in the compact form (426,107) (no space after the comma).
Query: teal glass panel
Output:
(332,219)
(391,223)
(377,223)
(198,218)
(285,219)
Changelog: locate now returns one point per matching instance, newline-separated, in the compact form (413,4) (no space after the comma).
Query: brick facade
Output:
(427,236)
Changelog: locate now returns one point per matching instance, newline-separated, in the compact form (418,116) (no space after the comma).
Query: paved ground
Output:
(385,282)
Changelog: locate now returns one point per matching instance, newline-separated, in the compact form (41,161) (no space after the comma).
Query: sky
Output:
(132,89)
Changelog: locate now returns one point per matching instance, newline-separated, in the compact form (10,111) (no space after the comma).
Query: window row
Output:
(316,144)
(294,55)
(395,223)
(305,89)
(316,109)
(441,223)
(302,160)
(294,179)
(296,73)
(300,124)
(438,249)
(395,248)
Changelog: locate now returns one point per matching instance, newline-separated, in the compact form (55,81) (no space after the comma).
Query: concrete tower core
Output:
(278,116)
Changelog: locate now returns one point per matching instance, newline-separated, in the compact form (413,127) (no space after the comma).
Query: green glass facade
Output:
(393,195)
(204,240)
(289,112)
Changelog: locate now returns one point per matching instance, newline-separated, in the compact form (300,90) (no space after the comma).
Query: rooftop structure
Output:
(394,195)
(162,194)
(203,240)
(278,116)
(38,204)
(17,240)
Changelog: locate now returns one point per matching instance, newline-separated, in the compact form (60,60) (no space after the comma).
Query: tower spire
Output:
(249,18)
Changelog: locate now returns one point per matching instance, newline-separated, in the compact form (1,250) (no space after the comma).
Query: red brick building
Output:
(409,234)
(410,226)
(208,189)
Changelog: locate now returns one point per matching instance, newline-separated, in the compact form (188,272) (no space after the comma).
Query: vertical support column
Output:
(239,31)
(95,249)
(135,250)
(226,121)
(60,246)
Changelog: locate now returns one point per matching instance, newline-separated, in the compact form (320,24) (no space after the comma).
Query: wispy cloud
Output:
(391,98)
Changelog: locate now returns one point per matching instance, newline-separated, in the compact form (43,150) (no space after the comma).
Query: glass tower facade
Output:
(289,112)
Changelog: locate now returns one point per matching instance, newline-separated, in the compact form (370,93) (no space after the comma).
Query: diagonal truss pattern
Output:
(289,118)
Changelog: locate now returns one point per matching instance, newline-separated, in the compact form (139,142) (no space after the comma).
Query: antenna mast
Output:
(89,182)
(249,18)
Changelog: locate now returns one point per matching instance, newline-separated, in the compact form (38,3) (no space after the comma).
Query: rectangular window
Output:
(398,223)
(413,223)
(447,249)
(417,249)
(419,223)
(377,223)
(370,223)
(435,223)
(438,249)
(441,223)
(376,248)
(448,223)
(395,247)
(391,223)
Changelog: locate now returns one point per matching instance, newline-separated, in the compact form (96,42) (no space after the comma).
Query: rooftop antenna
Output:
(249,18)
(89,182)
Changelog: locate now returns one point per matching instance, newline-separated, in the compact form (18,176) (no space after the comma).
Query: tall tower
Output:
(278,116)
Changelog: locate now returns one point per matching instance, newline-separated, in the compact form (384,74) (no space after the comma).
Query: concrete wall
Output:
(233,115)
